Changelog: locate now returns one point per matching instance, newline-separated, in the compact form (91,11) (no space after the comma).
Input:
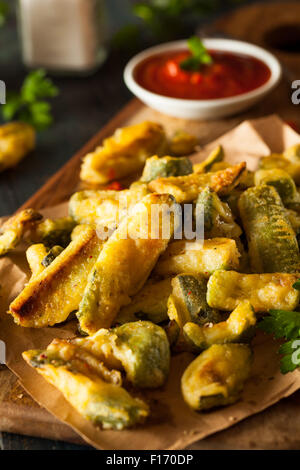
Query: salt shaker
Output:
(64,36)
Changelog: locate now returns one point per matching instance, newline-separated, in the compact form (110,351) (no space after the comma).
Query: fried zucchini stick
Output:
(125,263)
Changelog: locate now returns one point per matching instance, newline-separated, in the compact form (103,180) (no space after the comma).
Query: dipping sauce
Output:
(229,75)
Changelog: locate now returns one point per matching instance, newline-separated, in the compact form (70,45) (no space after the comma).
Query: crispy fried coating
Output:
(123,153)
(216,377)
(105,207)
(35,255)
(182,143)
(139,348)
(53,232)
(17,139)
(14,228)
(137,242)
(186,188)
(52,295)
(91,388)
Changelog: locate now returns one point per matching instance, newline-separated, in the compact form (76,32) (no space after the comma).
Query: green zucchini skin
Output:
(141,348)
(156,167)
(238,328)
(282,182)
(206,201)
(232,200)
(215,156)
(96,397)
(218,218)
(271,239)
(190,294)
(217,376)
(144,351)
(54,232)
(53,253)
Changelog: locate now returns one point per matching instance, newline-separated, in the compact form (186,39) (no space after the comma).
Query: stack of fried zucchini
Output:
(140,298)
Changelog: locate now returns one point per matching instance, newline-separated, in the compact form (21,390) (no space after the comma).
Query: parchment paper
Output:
(172,424)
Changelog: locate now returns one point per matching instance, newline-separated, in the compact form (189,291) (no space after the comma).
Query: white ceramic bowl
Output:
(211,108)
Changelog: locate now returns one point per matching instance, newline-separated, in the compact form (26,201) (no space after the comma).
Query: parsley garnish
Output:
(285,324)
(199,56)
(29,105)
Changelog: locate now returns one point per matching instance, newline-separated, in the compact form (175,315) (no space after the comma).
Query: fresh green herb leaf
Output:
(12,106)
(29,105)
(199,56)
(291,356)
(198,49)
(285,324)
(40,115)
(282,323)
(36,86)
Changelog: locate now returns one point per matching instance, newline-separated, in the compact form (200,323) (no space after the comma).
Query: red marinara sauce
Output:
(229,75)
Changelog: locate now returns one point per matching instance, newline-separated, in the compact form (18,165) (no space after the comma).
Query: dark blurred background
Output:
(87,103)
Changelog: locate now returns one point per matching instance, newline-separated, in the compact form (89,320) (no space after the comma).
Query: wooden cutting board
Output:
(20,414)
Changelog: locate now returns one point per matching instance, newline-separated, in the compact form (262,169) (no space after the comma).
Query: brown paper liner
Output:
(172,424)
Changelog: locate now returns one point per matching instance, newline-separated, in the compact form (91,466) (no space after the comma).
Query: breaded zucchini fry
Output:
(227,289)
(51,296)
(35,255)
(13,229)
(182,144)
(217,376)
(140,348)
(17,139)
(92,389)
(50,256)
(218,218)
(150,303)
(123,153)
(283,183)
(238,327)
(217,155)
(104,207)
(273,161)
(186,188)
(293,153)
(187,303)
(157,167)
(271,239)
(53,232)
(93,207)
(198,258)
(125,262)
